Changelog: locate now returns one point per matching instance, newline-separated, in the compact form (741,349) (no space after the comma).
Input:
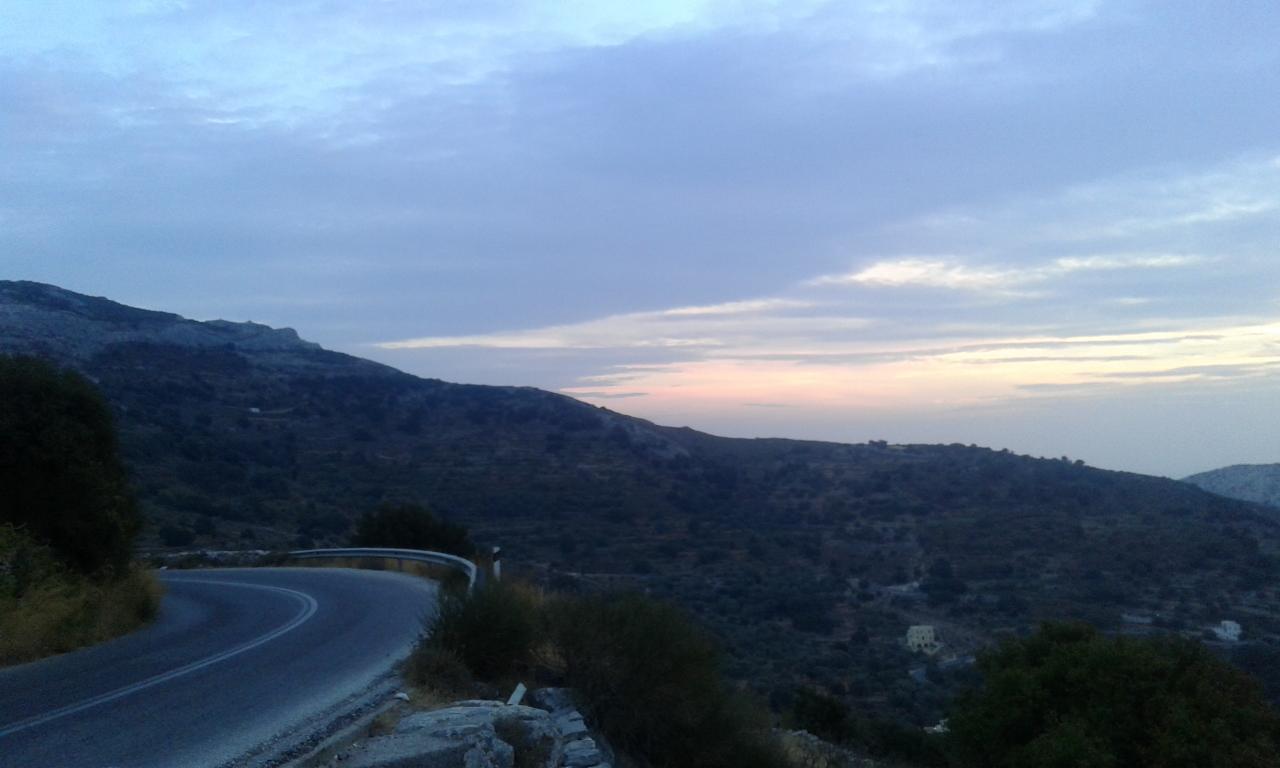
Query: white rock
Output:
(581,753)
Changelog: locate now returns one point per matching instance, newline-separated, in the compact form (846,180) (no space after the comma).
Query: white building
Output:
(923,638)
(1227,632)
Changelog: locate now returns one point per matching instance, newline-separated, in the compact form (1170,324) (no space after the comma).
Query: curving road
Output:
(240,665)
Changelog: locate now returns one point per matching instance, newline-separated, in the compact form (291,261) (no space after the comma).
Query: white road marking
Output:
(309,607)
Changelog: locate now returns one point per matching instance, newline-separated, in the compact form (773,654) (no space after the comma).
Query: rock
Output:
(570,724)
(466,717)
(409,751)
(474,734)
(490,752)
(581,753)
(552,699)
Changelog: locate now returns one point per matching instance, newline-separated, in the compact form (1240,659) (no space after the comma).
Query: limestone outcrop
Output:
(485,734)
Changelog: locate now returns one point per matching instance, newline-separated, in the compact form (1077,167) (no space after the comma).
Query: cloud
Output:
(917,377)
(596,395)
(751,306)
(298,61)
(934,273)
(953,274)
(691,327)
(1096,315)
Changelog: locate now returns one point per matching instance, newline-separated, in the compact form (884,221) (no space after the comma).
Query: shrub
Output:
(411,526)
(493,630)
(46,608)
(173,536)
(830,719)
(438,669)
(1071,696)
(60,468)
(650,679)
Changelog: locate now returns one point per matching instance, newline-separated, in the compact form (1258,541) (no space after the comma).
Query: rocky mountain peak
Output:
(47,320)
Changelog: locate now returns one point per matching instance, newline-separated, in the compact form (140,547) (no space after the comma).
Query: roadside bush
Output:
(67,518)
(494,630)
(46,608)
(431,667)
(650,679)
(647,676)
(411,526)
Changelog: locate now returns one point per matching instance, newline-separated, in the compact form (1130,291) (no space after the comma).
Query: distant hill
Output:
(810,559)
(1259,483)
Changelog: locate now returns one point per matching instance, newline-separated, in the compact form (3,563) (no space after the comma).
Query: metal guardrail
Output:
(414,555)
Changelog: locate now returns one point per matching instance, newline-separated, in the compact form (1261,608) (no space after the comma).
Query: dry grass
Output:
(66,612)
(438,673)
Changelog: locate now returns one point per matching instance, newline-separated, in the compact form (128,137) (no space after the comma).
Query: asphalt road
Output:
(237,660)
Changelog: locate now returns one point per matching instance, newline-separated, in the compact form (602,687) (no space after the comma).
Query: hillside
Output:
(1258,483)
(810,559)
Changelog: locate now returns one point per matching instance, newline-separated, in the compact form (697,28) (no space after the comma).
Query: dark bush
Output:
(440,669)
(60,468)
(830,719)
(1071,696)
(650,679)
(494,630)
(173,536)
(411,526)
(822,715)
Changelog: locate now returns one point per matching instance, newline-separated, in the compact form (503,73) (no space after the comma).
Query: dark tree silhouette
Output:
(410,526)
(61,478)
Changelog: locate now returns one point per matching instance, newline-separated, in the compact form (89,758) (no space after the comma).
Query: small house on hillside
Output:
(1227,632)
(923,638)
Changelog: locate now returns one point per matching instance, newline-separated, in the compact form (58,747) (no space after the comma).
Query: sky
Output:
(1052,227)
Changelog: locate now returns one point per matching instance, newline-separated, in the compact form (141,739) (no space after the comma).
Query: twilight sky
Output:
(1047,226)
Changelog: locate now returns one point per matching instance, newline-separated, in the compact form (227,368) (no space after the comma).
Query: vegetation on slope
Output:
(67,517)
(649,678)
(1070,696)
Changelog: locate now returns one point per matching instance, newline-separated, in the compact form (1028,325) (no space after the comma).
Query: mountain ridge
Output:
(38,314)
(1256,483)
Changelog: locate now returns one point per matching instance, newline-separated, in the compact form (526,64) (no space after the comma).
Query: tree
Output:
(411,526)
(61,478)
(1070,696)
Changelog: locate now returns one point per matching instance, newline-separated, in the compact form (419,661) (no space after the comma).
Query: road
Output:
(239,662)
